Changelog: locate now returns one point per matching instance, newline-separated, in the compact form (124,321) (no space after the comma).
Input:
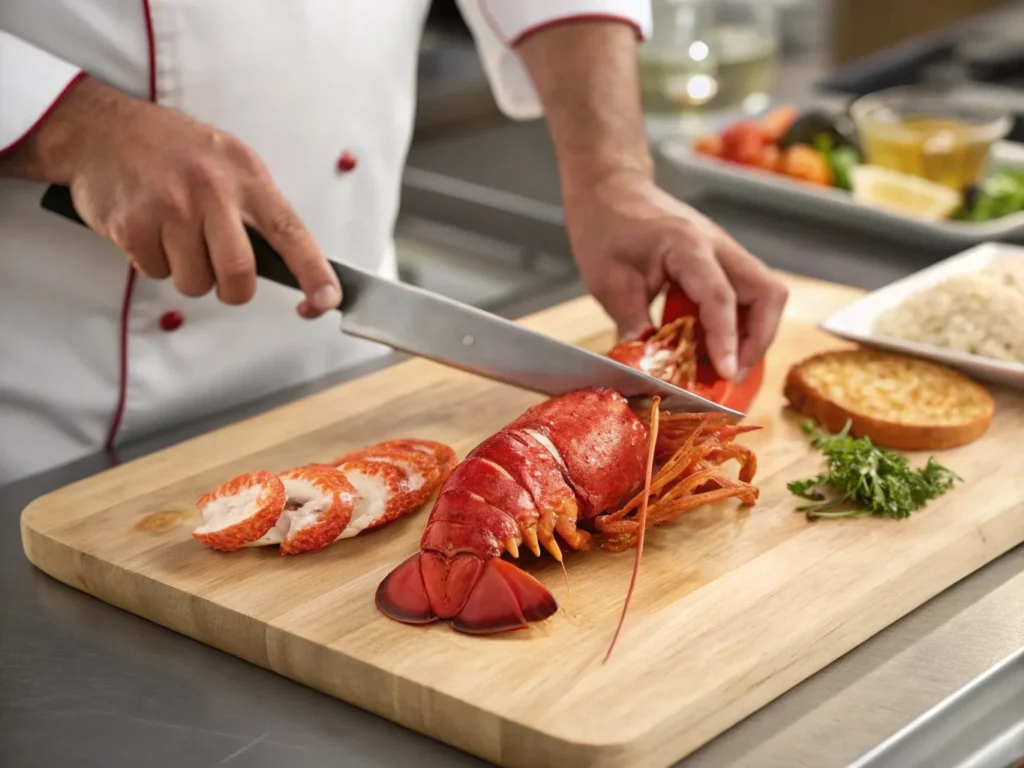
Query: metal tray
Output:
(979,726)
(836,206)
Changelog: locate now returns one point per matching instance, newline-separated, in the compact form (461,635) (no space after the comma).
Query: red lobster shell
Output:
(577,466)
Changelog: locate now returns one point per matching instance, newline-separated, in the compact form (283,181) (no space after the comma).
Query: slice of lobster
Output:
(241,511)
(707,382)
(422,469)
(381,487)
(319,507)
(444,455)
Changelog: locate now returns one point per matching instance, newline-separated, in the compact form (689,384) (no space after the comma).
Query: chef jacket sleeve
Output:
(497,25)
(32,81)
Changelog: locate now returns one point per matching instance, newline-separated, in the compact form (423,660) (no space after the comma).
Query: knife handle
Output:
(269,264)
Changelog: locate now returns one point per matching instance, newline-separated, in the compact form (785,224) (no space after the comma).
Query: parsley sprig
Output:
(865,479)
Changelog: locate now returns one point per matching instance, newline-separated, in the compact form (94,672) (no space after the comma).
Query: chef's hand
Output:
(630,238)
(173,193)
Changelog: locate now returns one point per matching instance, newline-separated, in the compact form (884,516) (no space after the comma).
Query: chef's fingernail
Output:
(728,369)
(326,297)
(741,375)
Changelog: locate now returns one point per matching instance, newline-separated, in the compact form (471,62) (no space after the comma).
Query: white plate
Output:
(854,321)
(773,190)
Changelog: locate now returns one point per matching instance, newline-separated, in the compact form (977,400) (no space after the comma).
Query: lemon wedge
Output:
(901,192)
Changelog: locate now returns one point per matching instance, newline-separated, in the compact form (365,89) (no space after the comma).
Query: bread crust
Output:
(807,397)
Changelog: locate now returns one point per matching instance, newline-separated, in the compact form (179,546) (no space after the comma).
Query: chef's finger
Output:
(762,292)
(144,250)
(287,234)
(624,298)
(234,266)
(185,246)
(693,266)
(763,318)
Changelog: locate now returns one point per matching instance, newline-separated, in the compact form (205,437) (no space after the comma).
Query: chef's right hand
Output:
(173,193)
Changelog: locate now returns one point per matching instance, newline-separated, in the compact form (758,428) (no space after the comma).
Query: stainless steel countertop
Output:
(85,684)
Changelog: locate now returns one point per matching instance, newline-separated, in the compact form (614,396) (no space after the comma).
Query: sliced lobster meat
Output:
(422,471)
(444,455)
(319,507)
(380,487)
(241,511)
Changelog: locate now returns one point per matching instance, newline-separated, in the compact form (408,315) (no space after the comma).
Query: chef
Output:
(175,121)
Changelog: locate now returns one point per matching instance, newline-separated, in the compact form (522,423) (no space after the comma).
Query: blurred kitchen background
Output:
(481,220)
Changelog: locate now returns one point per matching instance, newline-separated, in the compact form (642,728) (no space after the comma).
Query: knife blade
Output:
(425,324)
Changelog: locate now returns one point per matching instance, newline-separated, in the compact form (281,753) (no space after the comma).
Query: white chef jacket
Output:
(93,353)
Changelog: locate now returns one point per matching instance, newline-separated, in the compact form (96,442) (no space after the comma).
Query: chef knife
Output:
(429,325)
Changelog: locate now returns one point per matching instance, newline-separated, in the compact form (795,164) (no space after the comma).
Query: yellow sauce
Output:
(940,149)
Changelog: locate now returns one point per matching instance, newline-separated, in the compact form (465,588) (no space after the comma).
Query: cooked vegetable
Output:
(866,479)
(743,142)
(810,126)
(710,145)
(1001,194)
(803,162)
(775,124)
(769,158)
(842,161)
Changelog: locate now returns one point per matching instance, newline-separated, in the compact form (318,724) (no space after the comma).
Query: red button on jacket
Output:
(172,320)
(346,162)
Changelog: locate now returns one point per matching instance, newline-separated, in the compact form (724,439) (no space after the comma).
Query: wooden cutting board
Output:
(734,606)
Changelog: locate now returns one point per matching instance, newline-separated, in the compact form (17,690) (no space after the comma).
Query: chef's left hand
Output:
(629,238)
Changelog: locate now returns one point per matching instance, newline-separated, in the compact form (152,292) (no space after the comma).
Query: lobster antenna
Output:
(641,519)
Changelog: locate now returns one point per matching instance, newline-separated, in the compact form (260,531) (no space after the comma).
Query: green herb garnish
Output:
(867,479)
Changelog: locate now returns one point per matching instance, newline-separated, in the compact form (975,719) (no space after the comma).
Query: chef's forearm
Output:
(48,152)
(586,76)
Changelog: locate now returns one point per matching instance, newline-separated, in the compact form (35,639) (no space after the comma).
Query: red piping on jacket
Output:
(129,286)
(53,105)
(485,11)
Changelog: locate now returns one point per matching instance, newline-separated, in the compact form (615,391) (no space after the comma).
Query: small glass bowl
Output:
(941,134)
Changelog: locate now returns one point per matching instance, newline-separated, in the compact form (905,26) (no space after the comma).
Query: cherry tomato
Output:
(742,141)
(803,162)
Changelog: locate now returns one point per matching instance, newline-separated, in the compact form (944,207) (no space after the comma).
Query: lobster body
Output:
(563,461)
(582,459)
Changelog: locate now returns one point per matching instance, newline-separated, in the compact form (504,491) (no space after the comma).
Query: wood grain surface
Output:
(734,606)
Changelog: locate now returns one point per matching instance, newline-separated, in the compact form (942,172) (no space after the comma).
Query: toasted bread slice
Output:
(898,401)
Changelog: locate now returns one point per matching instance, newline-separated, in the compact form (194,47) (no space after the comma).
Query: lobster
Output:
(582,465)
(677,352)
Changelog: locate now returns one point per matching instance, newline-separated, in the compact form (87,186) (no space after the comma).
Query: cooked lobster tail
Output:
(478,595)
(563,461)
